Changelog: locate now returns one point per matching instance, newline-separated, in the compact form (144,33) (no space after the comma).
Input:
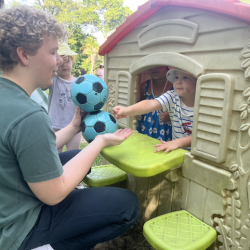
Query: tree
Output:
(91,48)
(245,1)
(1,4)
(83,18)
(111,14)
(93,15)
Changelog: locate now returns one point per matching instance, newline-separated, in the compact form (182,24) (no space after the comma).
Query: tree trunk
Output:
(1,4)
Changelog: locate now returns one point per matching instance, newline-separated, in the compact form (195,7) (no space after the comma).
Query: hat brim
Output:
(172,72)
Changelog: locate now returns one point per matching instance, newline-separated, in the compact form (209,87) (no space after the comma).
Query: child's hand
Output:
(77,119)
(164,117)
(119,112)
(169,146)
(64,58)
(116,138)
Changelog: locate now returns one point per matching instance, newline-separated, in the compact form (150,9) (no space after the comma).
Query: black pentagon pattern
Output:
(80,80)
(99,127)
(83,127)
(112,118)
(97,87)
(81,98)
(95,112)
(99,105)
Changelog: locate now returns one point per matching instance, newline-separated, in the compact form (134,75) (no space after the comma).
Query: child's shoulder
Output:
(172,94)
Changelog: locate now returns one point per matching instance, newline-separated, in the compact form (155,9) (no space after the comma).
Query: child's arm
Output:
(139,108)
(172,145)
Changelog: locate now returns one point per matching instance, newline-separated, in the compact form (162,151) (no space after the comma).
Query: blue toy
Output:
(89,92)
(98,123)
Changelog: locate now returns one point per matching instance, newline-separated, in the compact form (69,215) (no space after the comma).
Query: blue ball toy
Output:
(98,123)
(89,92)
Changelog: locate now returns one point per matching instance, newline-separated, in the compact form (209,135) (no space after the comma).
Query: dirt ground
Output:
(133,239)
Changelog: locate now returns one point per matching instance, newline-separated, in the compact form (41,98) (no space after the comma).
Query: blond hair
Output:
(24,26)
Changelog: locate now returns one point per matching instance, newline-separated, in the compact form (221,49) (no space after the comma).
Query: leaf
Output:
(247,72)
(233,168)
(246,92)
(241,171)
(245,63)
(236,175)
(243,115)
(243,127)
(242,107)
(245,53)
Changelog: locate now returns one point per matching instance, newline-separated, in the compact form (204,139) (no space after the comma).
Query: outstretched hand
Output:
(116,138)
(167,146)
(119,112)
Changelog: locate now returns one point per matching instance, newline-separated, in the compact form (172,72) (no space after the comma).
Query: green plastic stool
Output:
(105,175)
(178,231)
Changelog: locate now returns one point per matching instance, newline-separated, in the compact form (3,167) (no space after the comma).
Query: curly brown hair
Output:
(24,26)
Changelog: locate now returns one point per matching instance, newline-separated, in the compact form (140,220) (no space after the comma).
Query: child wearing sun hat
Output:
(178,102)
(61,109)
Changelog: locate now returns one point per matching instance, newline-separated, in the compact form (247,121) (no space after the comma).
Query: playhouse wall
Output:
(217,48)
(213,181)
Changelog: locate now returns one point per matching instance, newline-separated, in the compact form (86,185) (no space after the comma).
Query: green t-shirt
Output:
(28,153)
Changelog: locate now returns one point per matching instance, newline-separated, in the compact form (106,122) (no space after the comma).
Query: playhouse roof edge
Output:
(233,8)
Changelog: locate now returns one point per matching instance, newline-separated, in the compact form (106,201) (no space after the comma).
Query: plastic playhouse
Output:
(211,40)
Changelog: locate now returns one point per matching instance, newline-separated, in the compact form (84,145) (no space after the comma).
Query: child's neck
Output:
(189,102)
(68,78)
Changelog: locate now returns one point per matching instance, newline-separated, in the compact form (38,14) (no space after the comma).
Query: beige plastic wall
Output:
(214,180)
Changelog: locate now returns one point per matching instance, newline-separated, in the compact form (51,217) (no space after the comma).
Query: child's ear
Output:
(22,55)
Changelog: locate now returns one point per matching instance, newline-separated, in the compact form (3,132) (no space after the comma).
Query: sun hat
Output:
(64,49)
(101,64)
(172,72)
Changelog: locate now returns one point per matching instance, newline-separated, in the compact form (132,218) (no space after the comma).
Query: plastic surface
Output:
(178,231)
(228,7)
(213,182)
(136,156)
(105,175)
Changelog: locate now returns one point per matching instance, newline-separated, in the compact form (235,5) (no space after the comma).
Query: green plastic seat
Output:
(105,175)
(178,231)
(136,156)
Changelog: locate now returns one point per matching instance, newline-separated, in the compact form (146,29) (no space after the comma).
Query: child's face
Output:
(184,85)
(158,72)
(66,67)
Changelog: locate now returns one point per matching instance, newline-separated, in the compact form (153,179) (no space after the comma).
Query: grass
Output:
(98,161)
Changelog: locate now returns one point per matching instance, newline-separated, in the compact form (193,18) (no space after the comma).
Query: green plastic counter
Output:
(136,156)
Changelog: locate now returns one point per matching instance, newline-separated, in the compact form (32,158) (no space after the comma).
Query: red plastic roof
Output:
(229,7)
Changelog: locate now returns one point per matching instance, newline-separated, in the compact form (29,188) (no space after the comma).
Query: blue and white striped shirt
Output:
(181,115)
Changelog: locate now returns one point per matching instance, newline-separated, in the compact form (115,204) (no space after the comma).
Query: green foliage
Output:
(99,159)
(82,17)
(245,1)
(90,48)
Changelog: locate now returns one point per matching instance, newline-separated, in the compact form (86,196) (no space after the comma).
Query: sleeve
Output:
(166,101)
(33,142)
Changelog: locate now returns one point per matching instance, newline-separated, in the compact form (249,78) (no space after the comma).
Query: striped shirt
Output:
(181,115)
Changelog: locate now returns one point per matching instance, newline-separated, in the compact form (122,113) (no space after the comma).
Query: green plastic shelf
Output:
(105,175)
(178,231)
(136,156)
